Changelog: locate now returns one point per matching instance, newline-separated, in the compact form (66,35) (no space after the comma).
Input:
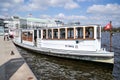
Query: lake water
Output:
(53,68)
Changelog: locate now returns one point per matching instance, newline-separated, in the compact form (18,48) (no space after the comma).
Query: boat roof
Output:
(64,26)
(71,26)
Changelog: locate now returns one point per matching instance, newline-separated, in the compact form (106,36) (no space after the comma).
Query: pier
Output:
(12,64)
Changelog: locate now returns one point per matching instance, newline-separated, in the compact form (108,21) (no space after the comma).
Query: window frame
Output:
(76,35)
(70,36)
(27,36)
(44,34)
(63,33)
(49,37)
(55,37)
(85,37)
(39,33)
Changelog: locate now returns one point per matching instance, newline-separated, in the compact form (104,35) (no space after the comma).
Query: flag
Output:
(108,26)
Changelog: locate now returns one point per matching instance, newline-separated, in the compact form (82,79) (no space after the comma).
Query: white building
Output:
(35,22)
(17,22)
(12,22)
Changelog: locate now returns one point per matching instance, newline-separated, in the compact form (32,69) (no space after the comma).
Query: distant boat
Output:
(75,42)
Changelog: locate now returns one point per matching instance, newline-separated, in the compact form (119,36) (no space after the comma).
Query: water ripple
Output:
(53,68)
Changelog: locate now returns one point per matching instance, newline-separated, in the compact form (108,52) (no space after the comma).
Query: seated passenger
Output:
(87,33)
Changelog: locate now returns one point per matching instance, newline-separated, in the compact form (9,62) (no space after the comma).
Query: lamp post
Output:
(111,36)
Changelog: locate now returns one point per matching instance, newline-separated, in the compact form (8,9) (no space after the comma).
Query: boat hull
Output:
(96,56)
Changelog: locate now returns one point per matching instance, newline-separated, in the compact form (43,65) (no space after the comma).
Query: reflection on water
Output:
(53,68)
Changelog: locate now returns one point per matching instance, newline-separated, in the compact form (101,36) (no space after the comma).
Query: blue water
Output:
(53,68)
(116,49)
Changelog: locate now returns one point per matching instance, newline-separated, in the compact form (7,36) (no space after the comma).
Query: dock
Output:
(12,64)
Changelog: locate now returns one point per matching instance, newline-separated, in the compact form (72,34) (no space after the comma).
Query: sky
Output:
(84,11)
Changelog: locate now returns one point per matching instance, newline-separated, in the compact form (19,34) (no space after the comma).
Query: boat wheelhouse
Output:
(76,42)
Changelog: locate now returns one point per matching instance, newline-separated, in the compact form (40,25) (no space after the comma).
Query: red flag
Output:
(108,26)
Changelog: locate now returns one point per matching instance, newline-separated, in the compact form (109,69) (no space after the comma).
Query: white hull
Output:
(97,56)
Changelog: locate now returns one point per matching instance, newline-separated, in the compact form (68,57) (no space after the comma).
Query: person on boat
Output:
(87,33)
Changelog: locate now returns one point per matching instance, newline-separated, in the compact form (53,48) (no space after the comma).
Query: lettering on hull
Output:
(71,46)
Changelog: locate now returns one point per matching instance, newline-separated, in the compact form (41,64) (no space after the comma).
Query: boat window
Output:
(49,34)
(62,33)
(98,32)
(27,36)
(30,35)
(70,32)
(89,32)
(55,33)
(79,32)
(39,33)
(17,33)
(44,34)
(24,35)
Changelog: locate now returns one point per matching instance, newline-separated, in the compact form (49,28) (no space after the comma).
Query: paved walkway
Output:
(12,65)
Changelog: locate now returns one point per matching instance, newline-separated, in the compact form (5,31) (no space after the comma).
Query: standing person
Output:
(6,35)
(11,34)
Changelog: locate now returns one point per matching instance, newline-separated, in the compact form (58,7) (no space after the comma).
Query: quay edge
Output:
(12,64)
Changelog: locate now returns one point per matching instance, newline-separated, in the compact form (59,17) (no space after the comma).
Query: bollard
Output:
(12,53)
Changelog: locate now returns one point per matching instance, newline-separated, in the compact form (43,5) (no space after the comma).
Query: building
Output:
(37,23)
(12,22)
(16,22)
(1,26)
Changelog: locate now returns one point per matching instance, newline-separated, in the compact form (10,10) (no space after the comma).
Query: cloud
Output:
(86,0)
(104,9)
(60,16)
(44,4)
(64,17)
(7,5)
(71,5)
(105,13)
(10,3)
(45,16)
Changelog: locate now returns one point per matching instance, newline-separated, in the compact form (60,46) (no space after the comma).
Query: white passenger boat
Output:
(75,42)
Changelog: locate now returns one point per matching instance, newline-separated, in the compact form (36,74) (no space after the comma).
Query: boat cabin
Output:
(84,38)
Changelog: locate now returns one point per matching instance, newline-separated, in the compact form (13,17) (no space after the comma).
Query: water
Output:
(53,68)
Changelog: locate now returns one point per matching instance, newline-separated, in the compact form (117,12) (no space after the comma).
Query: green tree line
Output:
(114,29)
